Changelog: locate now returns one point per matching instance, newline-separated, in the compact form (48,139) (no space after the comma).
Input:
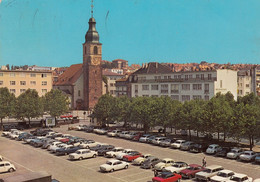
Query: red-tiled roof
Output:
(153,68)
(70,76)
(110,73)
(122,60)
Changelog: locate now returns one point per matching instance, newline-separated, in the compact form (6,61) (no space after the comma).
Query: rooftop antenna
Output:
(92,6)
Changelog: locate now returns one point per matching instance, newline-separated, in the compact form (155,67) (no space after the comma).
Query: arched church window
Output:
(95,50)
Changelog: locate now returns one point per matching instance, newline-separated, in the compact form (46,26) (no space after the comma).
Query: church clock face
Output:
(95,61)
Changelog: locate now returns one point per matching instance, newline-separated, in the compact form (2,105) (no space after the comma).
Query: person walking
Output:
(204,162)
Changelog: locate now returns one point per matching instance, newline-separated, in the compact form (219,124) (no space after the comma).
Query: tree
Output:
(104,110)
(123,109)
(28,105)
(55,103)
(7,103)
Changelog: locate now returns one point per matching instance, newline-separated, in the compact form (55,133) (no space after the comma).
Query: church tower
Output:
(92,70)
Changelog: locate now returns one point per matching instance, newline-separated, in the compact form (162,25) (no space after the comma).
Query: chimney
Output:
(156,65)
(142,65)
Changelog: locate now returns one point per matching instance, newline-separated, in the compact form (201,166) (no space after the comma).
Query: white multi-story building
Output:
(244,83)
(154,79)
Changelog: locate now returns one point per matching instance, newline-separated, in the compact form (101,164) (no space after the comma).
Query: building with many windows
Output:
(18,81)
(244,82)
(110,86)
(155,79)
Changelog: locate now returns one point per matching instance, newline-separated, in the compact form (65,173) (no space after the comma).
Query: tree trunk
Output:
(197,133)
(189,134)
(164,130)
(218,135)
(250,142)
(29,122)
(171,129)
(2,128)
(224,136)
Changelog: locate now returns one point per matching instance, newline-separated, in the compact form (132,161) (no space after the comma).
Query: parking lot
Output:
(28,158)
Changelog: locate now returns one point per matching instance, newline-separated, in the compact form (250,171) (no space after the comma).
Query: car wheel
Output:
(11,170)
(80,158)
(114,156)
(94,156)
(141,163)
(112,170)
(126,166)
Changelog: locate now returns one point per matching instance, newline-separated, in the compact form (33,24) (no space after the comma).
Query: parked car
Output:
(123,133)
(47,143)
(137,136)
(198,147)
(130,135)
(120,155)
(213,149)
(101,131)
(191,170)
(89,144)
(206,174)
(240,177)
(82,154)
(222,176)
(187,145)
(67,150)
(53,144)
(98,147)
(176,167)
(257,157)
(132,156)
(113,165)
(105,149)
(54,148)
(157,140)
(177,144)
(223,152)
(235,153)
(248,156)
(151,138)
(113,133)
(140,160)
(89,129)
(23,135)
(163,164)
(144,138)
(114,152)
(167,142)
(15,134)
(166,177)
(40,131)
(6,166)
(150,162)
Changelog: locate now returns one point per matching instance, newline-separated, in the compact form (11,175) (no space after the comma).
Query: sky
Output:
(51,32)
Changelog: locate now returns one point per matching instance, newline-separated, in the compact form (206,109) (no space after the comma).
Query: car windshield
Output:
(235,178)
(109,163)
(178,142)
(190,168)
(222,174)
(207,171)
(234,150)
(176,165)
(247,153)
(211,147)
(78,152)
(163,175)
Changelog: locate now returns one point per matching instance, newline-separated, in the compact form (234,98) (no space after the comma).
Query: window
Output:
(196,97)
(111,84)
(44,91)
(12,82)
(240,92)
(44,82)
(145,87)
(247,85)
(95,50)
(12,74)
(186,77)
(33,82)
(22,91)
(197,76)
(185,86)
(190,76)
(179,76)
(185,97)
(175,97)
(165,77)
(79,93)
(202,76)
(12,91)
(155,87)
(174,88)
(206,97)
(197,86)
(206,88)
(1,82)
(22,74)
(209,77)
(33,75)
(1,74)
(175,76)
(164,88)
(169,77)
(44,75)
(22,82)
(136,88)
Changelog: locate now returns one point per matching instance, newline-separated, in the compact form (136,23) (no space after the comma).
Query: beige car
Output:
(6,166)
(162,165)
(209,172)
(140,160)
(83,154)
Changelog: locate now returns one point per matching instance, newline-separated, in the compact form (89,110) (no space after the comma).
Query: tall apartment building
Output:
(154,79)
(18,81)
(244,83)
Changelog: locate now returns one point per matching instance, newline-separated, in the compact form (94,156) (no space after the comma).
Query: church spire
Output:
(92,6)
(92,34)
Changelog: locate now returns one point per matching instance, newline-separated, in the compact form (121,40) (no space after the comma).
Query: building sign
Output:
(50,121)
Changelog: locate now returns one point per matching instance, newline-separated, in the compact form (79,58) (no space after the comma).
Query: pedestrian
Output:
(204,162)
(155,173)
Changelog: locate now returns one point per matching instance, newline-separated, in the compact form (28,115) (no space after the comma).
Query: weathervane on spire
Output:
(92,6)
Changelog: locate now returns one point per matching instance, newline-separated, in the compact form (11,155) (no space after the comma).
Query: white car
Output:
(177,144)
(209,172)
(222,176)
(53,149)
(113,165)
(114,152)
(123,134)
(213,148)
(157,140)
(123,153)
(113,133)
(6,133)
(6,166)
(176,167)
(165,163)
(240,177)
(140,160)
(15,134)
(235,153)
(82,154)
(144,138)
(247,156)
(53,144)
(101,131)
(88,144)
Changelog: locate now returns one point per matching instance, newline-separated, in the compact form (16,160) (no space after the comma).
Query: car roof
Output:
(180,140)
(226,171)
(213,166)
(118,148)
(81,150)
(213,145)
(180,162)
(168,159)
(240,175)
(113,160)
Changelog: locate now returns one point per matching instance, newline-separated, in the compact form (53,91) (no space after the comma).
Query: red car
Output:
(191,171)
(167,177)
(137,136)
(132,156)
(65,140)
